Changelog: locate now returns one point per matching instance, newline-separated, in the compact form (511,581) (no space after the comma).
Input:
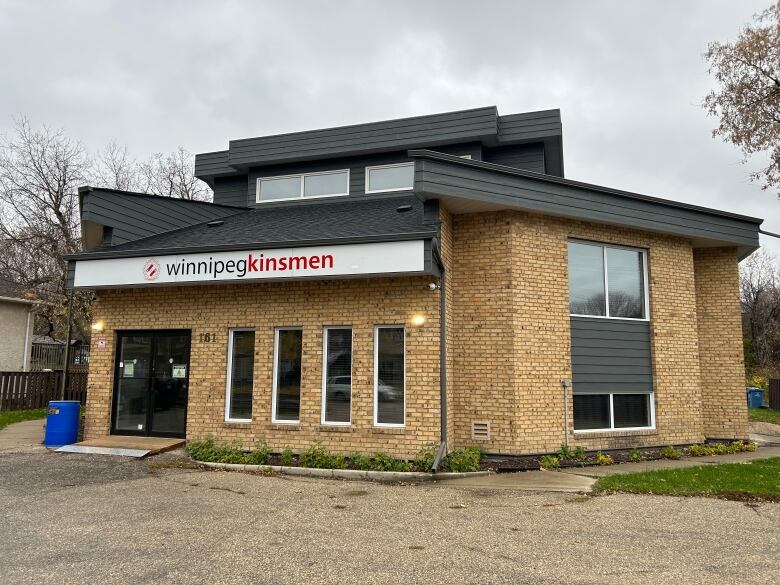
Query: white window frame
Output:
(229,377)
(645,282)
(612,428)
(376,376)
(325,330)
(301,183)
(275,381)
(368,175)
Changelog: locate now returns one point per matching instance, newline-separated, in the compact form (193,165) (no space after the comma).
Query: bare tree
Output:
(173,175)
(114,168)
(760,296)
(748,99)
(40,171)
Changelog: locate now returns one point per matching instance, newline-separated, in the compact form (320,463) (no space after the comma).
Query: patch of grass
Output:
(8,417)
(759,479)
(765,415)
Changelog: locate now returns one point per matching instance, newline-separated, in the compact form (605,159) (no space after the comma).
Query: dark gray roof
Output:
(305,223)
(475,125)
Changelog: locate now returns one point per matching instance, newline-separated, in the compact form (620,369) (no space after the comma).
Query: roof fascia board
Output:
(543,178)
(423,235)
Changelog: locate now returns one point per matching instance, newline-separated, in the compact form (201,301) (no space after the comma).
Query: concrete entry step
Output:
(125,446)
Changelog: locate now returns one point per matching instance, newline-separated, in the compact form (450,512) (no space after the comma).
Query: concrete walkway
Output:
(22,437)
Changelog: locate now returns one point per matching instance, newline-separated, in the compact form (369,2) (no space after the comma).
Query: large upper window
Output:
(399,177)
(337,376)
(288,351)
(389,376)
(240,373)
(607,281)
(608,412)
(324,184)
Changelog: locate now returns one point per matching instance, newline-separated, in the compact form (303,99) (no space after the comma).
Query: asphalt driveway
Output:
(91,519)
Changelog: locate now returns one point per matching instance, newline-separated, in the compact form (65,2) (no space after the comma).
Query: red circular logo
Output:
(151,269)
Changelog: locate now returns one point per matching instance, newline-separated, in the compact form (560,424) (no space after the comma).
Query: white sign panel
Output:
(316,261)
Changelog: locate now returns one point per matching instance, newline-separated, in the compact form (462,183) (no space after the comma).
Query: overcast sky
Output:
(628,77)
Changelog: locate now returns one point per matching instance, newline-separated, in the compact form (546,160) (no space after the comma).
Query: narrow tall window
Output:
(288,351)
(389,376)
(607,281)
(337,376)
(240,374)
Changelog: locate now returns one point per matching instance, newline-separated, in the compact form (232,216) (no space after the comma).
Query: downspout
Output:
(25,354)
(566,385)
(442,450)
(66,365)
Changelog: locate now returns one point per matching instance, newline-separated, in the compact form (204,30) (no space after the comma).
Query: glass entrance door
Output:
(150,384)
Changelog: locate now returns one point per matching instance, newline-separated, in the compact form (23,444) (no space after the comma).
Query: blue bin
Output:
(755,397)
(62,422)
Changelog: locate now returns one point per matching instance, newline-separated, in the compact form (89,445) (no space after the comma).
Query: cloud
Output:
(628,77)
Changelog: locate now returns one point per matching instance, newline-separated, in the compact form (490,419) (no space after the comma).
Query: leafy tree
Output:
(747,101)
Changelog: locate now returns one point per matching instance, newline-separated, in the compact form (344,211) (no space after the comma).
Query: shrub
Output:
(635,455)
(260,454)
(669,452)
(423,461)
(315,456)
(757,382)
(287,458)
(603,459)
(360,461)
(385,462)
(579,453)
(208,450)
(549,462)
(565,452)
(462,460)
(700,450)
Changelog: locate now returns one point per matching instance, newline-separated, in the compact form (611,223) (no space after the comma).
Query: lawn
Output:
(14,416)
(759,479)
(765,415)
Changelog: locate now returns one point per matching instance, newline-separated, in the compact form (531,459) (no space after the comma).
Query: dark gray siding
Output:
(529,126)
(423,131)
(436,176)
(134,216)
(230,191)
(609,355)
(210,164)
(529,157)
(356,165)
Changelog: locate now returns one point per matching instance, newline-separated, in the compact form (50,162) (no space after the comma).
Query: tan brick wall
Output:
(361,303)
(724,408)
(511,291)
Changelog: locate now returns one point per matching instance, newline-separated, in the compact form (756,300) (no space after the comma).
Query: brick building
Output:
(425,280)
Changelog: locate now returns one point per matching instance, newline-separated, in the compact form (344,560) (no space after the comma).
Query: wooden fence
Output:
(23,390)
(773,394)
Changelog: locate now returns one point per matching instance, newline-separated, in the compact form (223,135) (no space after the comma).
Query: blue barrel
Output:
(62,422)
(755,397)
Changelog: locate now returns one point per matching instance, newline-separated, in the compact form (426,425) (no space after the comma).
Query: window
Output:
(324,184)
(286,401)
(389,376)
(337,376)
(607,281)
(240,375)
(608,412)
(398,177)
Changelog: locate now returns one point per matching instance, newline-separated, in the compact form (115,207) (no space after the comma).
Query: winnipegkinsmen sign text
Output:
(320,262)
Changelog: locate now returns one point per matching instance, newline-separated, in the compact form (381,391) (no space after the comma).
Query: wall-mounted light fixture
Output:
(418,320)
(98,326)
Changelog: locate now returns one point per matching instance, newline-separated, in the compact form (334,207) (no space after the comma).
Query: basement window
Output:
(613,411)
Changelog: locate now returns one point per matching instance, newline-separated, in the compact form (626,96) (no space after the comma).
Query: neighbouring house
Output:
(384,286)
(16,327)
